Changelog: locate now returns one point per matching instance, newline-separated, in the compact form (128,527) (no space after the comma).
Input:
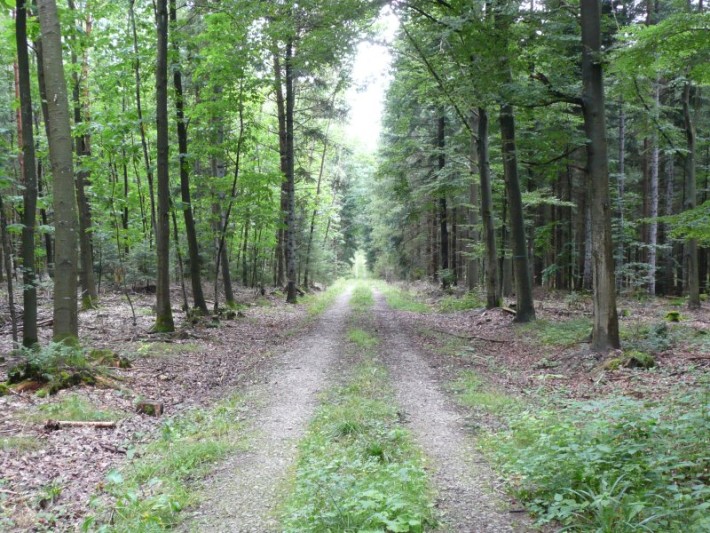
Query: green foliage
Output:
(318,303)
(149,492)
(362,299)
(362,338)
(650,338)
(616,465)
(691,224)
(56,366)
(73,407)
(561,333)
(472,392)
(469,300)
(402,299)
(358,469)
(19,444)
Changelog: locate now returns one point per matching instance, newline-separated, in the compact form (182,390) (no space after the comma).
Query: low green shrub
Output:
(402,299)
(469,300)
(560,333)
(617,465)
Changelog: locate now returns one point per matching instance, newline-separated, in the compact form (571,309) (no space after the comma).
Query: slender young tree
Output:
(605,333)
(164,318)
(191,234)
(66,324)
(29,214)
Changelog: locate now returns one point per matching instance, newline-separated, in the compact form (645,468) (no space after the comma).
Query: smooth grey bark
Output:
(605,332)
(66,322)
(691,245)
(29,175)
(164,314)
(190,232)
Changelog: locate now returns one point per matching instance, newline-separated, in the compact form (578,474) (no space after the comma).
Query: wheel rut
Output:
(467,500)
(242,495)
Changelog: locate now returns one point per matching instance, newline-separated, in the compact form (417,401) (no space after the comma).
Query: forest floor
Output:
(274,366)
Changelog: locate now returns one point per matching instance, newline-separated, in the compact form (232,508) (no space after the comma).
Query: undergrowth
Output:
(74,408)
(617,465)
(151,490)
(358,469)
(402,299)
(559,333)
(470,300)
(472,392)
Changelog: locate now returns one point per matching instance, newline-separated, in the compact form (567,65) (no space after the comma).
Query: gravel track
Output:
(467,499)
(242,495)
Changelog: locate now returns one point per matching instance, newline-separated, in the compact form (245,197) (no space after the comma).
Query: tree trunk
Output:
(315,207)
(29,213)
(525,310)
(164,314)
(141,124)
(493,295)
(190,232)
(280,275)
(605,332)
(620,186)
(691,245)
(653,203)
(7,266)
(290,179)
(89,295)
(66,326)
(472,262)
(443,214)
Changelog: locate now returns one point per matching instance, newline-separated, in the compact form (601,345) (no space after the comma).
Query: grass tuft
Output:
(316,304)
(402,299)
(150,492)
(75,408)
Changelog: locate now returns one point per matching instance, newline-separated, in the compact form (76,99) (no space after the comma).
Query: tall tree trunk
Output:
(605,332)
(653,202)
(315,208)
(139,110)
(290,179)
(691,245)
(620,186)
(473,263)
(443,214)
(190,232)
(29,214)
(525,310)
(82,147)
(164,314)
(493,295)
(280,272)
(66,324)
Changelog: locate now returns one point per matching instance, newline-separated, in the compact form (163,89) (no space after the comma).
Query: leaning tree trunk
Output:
(164,314)
(605,333)
(29,214)
(493,296)
(66,324)
(191,234)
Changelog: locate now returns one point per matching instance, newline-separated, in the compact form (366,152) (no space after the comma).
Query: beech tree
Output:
(60,150)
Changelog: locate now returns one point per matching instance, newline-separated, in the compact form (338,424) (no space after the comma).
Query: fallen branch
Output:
(60,424)
(112,448)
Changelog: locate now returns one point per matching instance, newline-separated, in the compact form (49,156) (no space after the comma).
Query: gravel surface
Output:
(241,496)
(467,498)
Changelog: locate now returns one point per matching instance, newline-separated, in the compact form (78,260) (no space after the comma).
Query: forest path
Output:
(464,483)
(242,495)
